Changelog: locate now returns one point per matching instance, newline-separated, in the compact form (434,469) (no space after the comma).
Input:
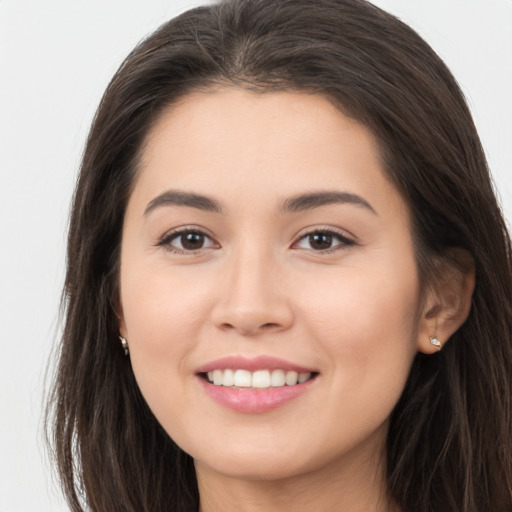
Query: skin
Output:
(355,313)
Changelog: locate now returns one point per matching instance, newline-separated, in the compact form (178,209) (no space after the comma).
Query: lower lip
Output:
(250,400)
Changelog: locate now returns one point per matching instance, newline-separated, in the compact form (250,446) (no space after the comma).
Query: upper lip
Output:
(253,364)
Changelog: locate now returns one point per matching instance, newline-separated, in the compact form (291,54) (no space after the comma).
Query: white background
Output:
(56,57)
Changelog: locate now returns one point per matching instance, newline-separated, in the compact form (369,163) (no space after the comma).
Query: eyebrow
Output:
(177,198)
(297,203)
(313,200)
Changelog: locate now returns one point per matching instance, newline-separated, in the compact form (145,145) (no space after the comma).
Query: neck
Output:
(353,487)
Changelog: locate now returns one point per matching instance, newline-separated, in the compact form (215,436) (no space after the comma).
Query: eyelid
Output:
(346,239)
(166,239)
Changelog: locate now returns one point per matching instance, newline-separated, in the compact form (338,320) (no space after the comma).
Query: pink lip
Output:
(252,364)
(249,400)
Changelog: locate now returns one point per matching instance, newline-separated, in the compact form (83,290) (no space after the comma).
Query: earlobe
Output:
(124,344)
(120,319)
(122,328)
(448,301)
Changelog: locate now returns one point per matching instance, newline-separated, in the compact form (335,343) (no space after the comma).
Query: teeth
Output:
(217,377)
(291,378)
(303,377)
(260,379)
(228,379)
(278,378)
(242,379)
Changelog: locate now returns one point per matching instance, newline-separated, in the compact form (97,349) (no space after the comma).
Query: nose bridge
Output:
(253,267)
(253,298)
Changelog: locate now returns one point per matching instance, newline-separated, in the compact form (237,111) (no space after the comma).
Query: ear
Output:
(448,300)
(120,319)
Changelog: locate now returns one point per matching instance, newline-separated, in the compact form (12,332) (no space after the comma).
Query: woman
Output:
(288,280)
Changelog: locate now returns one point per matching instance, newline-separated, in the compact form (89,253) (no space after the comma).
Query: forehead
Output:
(244,144)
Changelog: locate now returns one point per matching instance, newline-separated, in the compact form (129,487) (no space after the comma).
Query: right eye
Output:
(187,241)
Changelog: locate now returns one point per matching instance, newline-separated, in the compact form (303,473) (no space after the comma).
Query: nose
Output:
(253,299)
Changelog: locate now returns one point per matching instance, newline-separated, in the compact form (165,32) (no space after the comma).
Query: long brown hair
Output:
(450,438)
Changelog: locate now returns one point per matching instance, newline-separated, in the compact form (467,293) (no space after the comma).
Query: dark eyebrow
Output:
(316,199)
(177,198)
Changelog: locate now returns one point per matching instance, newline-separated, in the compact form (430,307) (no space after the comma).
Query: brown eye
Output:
(323,241)
(192,241)
(187,241)
(320,241)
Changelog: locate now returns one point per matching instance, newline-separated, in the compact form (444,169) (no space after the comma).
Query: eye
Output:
(323,240)
(187,240)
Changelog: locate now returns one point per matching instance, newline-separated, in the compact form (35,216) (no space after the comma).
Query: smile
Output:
(260,379)
(255,385)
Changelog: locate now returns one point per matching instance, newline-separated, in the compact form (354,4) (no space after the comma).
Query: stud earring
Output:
(124,344)
(435,342)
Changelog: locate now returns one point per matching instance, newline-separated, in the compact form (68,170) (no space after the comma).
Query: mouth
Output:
(255,384)
(259,379)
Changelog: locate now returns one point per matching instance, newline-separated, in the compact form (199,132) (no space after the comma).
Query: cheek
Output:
(366,321)
(164,313)
(365,326)
(161,306)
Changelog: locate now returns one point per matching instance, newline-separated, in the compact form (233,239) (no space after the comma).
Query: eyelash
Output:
(343,240)
(169,237)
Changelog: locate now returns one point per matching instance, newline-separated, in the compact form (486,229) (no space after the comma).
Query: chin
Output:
(255,467)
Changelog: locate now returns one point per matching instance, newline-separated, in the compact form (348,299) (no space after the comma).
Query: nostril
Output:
(251,320)
(269,325)
(250,329)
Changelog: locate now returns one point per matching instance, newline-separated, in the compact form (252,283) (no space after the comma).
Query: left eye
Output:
(323,241)
(185,241)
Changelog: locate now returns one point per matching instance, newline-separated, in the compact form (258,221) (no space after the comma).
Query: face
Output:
(269,289)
